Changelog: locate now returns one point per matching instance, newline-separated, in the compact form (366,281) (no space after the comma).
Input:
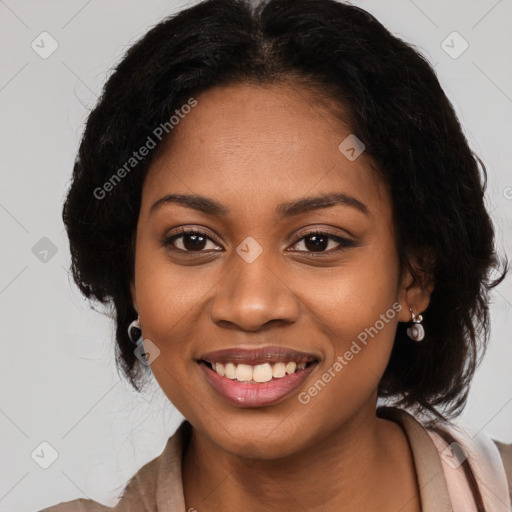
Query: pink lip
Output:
(260,355)
(247,394)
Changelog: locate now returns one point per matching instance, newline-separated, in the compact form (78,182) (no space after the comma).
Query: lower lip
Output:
(246,394)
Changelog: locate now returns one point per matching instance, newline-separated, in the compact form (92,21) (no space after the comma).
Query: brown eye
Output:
(190,240)
(318,241)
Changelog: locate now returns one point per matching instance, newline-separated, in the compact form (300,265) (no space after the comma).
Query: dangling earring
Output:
(135,332)
(416,331)
(135,335)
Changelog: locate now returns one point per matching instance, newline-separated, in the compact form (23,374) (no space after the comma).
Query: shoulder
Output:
(465,458)
(138,494)
(480,454)
(142,493)
(80,505)
(505,451)
(488,460)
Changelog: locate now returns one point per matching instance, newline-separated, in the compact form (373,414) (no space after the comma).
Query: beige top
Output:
(157,486)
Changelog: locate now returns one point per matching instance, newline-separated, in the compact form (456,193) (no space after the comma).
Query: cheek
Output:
(355,307)
(168,296)
(353,296)
(168,304)
(359,321)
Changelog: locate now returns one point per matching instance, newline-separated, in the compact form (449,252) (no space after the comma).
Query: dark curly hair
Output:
(394,104)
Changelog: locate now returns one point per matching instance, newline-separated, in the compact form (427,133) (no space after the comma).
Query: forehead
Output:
(252,143)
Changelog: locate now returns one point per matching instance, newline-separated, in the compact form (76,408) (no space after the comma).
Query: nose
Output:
(252,296)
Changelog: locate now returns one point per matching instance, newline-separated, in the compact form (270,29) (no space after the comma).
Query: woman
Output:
(280,204)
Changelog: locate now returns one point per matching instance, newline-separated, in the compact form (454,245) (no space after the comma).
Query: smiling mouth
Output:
(259,373)
(257,376)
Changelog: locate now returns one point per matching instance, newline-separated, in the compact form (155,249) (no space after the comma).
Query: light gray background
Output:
(58,378)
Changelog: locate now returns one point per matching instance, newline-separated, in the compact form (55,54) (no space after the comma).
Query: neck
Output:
(362,465)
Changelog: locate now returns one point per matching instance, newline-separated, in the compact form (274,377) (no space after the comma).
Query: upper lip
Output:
(260,355)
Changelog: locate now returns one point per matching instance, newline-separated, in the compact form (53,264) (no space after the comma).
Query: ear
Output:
(414,292)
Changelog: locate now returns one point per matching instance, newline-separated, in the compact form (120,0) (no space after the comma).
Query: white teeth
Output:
(290,367)
(257,373)
(279,370)
(230,370)
(262,373)
(219,368)
(244,372)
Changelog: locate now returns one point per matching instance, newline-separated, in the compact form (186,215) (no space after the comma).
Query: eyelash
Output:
(343,242)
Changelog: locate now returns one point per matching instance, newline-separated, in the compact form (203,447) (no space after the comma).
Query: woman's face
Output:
(257,289)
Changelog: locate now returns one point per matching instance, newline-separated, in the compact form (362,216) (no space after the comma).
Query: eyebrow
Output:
(287,209)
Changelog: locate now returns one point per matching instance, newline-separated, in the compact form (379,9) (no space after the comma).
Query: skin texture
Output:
(252,147)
